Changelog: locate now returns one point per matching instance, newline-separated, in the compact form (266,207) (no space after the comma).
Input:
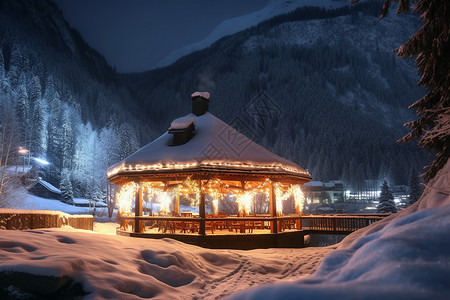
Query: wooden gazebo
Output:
(201,155)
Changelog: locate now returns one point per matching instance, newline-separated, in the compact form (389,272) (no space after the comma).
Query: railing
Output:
(325,223)
(344,223)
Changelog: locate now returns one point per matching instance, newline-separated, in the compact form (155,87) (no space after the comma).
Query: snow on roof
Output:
(314,183)
(205,95)
(47,185)
(215,145)
(182,123)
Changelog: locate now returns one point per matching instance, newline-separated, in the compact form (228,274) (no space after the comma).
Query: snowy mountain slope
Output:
(332,74)
(405,256)
(231,26)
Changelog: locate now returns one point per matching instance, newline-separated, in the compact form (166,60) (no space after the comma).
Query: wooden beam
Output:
(138,209)
(273,210)
(201,210)
(177,201)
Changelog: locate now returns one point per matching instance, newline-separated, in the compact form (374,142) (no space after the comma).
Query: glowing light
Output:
(23,150)
(165,200)
(217,164)
(41,161)
(125,197)
(245,201)
(299,197)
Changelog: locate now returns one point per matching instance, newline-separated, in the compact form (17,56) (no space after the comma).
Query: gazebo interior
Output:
(212,205)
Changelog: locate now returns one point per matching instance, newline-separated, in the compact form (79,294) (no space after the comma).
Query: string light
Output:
(299,197)
(244,198)
(125,197)
(217,164)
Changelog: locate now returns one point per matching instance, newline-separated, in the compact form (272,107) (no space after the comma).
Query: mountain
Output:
(318,86)
(234,25)
(338,95)
(60,99)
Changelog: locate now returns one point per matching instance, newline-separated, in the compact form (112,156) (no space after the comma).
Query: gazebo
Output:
(202,160)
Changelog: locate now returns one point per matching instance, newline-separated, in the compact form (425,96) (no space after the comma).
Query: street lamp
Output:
(24,152)
(41,161)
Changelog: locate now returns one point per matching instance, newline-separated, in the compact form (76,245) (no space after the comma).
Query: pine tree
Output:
(415,189)
(34,90)
(55,139)
(2,66)
(66,187)
(36,129)
(67,141)
(387,204)
(22,110)
(430,45)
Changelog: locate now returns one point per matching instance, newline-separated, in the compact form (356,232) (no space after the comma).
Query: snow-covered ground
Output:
(405,256)
(115,267)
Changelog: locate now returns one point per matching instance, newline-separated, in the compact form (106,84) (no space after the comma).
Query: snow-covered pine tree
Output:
(55,139)
(68,147)
(34,90)
(387,204)
(37,129)
(2,66)
(22,114)
(66,187)
(430,47)
(415,189)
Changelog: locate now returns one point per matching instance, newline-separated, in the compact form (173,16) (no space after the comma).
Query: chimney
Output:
(182,130)
(200,102)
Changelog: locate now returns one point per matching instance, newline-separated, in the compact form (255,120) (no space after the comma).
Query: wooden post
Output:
(138,209)
(273,210)
(177,202)
(201,210)
(298,222)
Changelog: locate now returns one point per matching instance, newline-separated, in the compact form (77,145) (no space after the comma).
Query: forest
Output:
(340,103)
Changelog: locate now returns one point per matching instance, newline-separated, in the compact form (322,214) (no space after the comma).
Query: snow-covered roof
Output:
(215,146)
(182,123)
(314,183)
(47,185)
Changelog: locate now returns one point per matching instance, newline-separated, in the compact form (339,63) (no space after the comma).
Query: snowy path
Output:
(118,267)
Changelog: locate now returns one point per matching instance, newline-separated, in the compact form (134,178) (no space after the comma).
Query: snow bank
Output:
(405,256)
(116,267)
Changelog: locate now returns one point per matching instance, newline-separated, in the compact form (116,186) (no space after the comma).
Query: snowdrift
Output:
(405,256)
(63,264)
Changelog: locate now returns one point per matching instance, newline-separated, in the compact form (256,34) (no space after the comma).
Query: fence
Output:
(23,219)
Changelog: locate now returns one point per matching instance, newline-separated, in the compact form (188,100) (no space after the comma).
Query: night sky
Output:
(134,34)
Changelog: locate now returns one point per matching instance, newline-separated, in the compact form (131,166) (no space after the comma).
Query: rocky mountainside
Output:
(338,96)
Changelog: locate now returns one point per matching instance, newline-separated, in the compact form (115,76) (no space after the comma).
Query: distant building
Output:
(324,192)
(42,188)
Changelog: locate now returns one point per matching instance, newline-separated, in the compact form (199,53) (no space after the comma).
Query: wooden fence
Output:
(336,223)
(23,220)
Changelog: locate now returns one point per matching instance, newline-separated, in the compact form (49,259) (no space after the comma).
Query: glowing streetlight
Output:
(41,161)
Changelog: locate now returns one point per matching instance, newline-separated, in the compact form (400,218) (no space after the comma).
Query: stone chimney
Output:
(200,102)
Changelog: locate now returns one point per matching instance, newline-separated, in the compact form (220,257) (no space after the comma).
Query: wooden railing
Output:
(324,223)
(338,223)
